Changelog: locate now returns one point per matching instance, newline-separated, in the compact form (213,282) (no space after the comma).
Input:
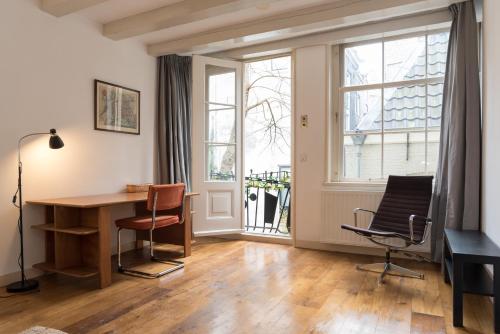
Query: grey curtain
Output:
(457,188)
(174,119)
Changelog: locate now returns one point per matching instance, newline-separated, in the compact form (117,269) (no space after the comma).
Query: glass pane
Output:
(404,59)
(268,115)
(434,105)
(362,156)
(404,107)
(404,153)
(437,48)
(221,162)
(363,64)
(362,110)
(220,84)
(221,124)
(434,110)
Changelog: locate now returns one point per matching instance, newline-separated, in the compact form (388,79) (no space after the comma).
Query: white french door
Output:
(216,146)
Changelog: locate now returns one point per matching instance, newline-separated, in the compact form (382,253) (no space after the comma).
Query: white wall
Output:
(47,67)
(311,75)
(491,120)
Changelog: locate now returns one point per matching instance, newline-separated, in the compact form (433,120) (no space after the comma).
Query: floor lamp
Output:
(55,142)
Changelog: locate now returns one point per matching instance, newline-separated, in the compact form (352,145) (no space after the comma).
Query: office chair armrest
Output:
(427,220)
(355,212)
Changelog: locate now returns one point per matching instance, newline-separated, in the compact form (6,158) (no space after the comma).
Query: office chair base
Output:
(177,265)
(388,268)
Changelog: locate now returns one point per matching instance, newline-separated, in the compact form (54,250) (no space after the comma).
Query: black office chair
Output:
(400,218)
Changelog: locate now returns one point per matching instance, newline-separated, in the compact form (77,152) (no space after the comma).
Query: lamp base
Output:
(22,286)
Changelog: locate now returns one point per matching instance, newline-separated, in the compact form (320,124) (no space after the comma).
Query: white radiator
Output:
(336,209)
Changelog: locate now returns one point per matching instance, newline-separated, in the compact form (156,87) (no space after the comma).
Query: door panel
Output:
(216,139)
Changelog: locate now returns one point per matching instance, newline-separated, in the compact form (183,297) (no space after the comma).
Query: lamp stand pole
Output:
(24,284)
(55,142)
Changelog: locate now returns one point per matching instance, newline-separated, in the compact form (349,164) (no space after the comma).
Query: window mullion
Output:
(414,82)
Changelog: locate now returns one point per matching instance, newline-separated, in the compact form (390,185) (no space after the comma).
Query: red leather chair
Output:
(166,205)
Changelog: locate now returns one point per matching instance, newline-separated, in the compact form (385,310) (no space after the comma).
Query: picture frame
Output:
(116,108)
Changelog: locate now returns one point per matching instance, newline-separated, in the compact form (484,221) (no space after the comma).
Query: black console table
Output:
(465,253)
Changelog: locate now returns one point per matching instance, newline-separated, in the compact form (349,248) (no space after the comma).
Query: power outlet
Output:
(304,121)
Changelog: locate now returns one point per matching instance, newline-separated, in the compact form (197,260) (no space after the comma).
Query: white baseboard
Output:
(271,239)
(33,273)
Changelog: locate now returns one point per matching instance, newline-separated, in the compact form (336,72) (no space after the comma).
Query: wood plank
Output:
(77,230)
(294,23)
(188,229)
(247,287)
(104,225)
(66,217)
(78,271)
(183,12)
(67,250)
(427,324)
(65,7)
(95,201)
(438,19)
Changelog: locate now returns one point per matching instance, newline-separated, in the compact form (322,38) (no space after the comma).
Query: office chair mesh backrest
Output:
(170,196)
(404,196)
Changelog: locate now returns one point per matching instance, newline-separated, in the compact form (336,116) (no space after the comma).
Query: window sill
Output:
(375,186)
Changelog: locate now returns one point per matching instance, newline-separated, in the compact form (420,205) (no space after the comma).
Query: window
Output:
(220,141)
(389,112)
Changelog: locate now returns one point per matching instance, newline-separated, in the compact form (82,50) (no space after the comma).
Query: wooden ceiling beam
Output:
(183,12)
(337,14)
(64,7)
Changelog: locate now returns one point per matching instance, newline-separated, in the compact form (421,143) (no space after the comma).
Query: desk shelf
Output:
(71,241)
(77,230)
(78,271)
(77,233)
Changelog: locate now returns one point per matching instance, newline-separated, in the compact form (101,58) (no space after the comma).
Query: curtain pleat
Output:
(174,119)
(456,198)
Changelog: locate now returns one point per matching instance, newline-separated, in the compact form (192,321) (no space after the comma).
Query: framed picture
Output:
(116,108)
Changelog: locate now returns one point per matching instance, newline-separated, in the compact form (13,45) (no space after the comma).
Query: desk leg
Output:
(496,296)
(104,225)
(457,293)
(187,227)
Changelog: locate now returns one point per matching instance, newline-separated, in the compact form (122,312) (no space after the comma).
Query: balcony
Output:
(267,202)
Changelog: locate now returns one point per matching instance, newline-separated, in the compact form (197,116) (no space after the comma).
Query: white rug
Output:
(41,330)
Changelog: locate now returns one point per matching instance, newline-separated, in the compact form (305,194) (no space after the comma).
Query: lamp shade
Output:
(55,142)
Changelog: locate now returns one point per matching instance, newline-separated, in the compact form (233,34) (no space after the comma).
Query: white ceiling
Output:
(205,26)
(116,9)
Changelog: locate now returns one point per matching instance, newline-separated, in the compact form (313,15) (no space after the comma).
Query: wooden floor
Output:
(248,287)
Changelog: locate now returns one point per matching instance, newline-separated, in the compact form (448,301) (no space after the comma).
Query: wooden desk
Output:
(465,254)
(78,233)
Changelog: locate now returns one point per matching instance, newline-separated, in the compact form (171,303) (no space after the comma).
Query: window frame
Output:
(336,122)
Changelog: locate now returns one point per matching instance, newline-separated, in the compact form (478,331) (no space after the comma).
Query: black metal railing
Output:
(267,198)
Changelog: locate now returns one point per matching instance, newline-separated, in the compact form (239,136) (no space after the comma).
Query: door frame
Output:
(202,150)
(265,237)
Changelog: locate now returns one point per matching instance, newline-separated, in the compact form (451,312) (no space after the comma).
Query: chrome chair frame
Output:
(387,267)
(177,264)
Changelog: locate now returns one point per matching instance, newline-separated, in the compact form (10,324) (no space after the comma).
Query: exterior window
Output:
(389,113)
(220,133)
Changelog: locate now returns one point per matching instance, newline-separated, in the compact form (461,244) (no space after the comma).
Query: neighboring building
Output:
(404,120)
